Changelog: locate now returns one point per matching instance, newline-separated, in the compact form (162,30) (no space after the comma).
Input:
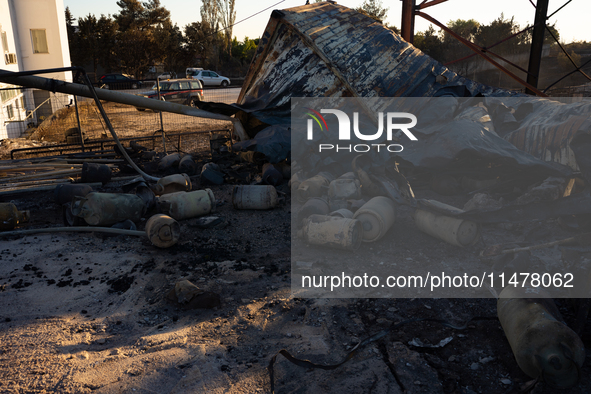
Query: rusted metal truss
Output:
(479,52)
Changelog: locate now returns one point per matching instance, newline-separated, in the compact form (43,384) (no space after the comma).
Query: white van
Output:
(192,72)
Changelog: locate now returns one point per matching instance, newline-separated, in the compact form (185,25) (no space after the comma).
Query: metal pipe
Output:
(74,230)
(28,80)
(537,45)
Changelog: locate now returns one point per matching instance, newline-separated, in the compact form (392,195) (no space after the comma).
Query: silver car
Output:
(208,78)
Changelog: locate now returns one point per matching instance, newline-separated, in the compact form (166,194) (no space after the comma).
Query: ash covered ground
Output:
(88,313)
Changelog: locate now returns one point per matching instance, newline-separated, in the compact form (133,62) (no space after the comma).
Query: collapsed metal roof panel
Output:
(328,50)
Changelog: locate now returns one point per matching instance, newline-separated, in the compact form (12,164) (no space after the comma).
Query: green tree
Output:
(565,63)
(201,39)
(374,9)
(453,49)
(467,29)
(136,47)
(170,44)
(497,30)
(75,59)
(107,38)
(88,48)
(227,18)
(430,43)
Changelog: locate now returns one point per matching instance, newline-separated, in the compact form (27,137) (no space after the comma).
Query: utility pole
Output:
(537,44)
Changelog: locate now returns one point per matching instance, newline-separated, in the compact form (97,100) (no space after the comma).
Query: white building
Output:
(32,36)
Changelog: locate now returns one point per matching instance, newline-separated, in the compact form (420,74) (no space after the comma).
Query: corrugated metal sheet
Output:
(327,50)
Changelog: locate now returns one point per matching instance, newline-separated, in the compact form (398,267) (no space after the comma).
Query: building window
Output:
(10,111)
(5,42)
(39,41)
(8,92)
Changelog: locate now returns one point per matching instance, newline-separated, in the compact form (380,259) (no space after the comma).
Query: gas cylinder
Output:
(10,216)
(332,231)
(187,165)
(447,228)
(314,187)
(295,181)
(254,197)
(271,176)
(94,172)
(169,162)
(377,216)
(342,189)
(65,192)
(284,168)
(172,184)
(186,205)
(544,347)
(314,206)
(342,213)
(163,231)
(106,209)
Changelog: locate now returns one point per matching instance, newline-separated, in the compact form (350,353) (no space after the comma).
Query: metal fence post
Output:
(78,121)
(161,121)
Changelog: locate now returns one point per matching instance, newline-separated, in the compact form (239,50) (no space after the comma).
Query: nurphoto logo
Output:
(344,132)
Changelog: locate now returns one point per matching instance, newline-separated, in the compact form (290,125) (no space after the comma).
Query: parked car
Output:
(168,75)
(182,91)
(118,81)
(207,77)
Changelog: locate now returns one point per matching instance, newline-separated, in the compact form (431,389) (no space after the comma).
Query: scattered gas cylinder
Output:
(544,347)
(314,206)
(10,216)
(254,197)
(163,231)
(211,173)
(187,165)
(332,231)
(169,161)
(295,181)
(186,205)
(284,168)
(70,220)
(314,187)
(93,172)
(377,216)
(147,195)
(343,189)
(172,184)
(446,228)
(342,213)
(348,175)
(106,209)
(271,176)
(65,192)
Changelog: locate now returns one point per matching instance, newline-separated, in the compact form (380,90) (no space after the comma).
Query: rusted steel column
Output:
(408,20)
(537,45)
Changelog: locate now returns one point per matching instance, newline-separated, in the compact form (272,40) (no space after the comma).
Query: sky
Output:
(572,20)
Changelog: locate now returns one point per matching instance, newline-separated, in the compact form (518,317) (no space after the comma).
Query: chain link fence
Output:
(41,123)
